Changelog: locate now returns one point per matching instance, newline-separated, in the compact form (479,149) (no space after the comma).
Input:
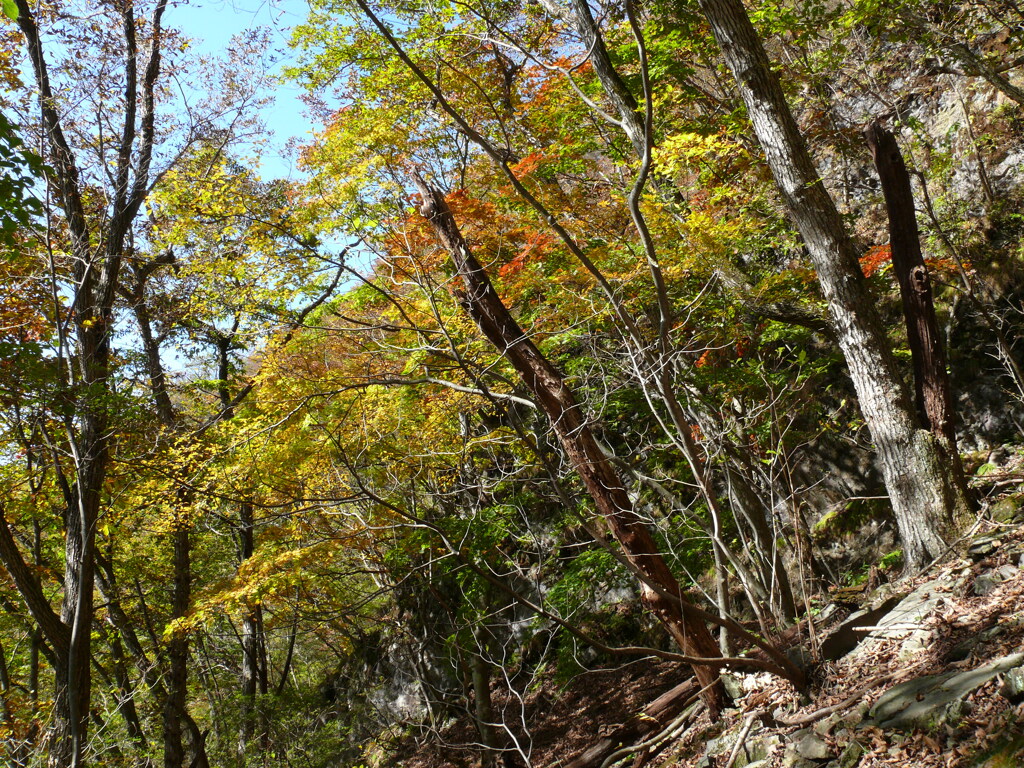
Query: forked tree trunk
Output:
(924,496)
(97,252)
(659,590)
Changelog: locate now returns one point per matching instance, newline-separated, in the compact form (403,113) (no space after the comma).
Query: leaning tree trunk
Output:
(659,590)
(924,496)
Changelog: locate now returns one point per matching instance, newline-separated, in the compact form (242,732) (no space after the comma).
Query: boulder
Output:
(988,581)
(984,545)
(850,757)
(733,685)
(755,748)
(845,637)
(932,700)
(905,621)
(1013,685)
(964,649)
(813,747)
(793,760)
(1006,509)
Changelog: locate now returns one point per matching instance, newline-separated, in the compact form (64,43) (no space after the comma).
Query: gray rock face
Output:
(813,747)
(964,649)
(935,699)
(986,582)
(733,686)
(757,750)
(1013,685)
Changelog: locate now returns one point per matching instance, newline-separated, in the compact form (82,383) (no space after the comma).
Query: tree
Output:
(232,264)
(659,590)
(96,256)
(101,96)
(927,501)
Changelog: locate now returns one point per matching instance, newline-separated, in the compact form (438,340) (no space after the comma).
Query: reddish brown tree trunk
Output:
(659,590)
(933,395)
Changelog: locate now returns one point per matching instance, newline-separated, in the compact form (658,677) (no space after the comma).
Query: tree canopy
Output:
(587,333)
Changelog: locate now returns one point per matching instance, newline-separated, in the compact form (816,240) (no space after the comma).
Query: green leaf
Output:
(10,9)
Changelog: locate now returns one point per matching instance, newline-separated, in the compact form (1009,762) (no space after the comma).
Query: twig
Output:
(889,628)
(853,698)
(747,725)
(668,732)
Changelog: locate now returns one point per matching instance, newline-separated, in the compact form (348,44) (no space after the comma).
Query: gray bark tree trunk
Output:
(921,489)
(98,255)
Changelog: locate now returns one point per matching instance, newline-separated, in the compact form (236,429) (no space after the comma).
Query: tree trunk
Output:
(580,16)
(933,395)
(483,708)
(175,702)
(97,254)
(922,491)
(126,698)
(254,655)
(765,552)
(150,343)
(153,673)
(659,590)
(70,723)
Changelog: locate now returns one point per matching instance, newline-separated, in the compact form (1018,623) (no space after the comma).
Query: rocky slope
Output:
(936,680)
(925,671)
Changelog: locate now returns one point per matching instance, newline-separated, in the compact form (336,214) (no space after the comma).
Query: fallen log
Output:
(655,716)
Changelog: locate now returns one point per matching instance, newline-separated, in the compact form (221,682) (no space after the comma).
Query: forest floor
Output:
(938,681)
(935,678)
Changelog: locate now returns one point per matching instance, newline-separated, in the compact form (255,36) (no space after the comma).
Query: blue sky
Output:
(212,24)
